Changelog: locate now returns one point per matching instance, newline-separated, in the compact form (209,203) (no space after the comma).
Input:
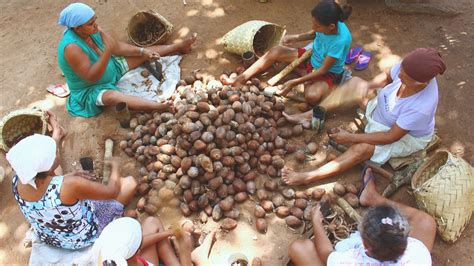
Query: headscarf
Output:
(32,155)
(423,64)
(75,14)
(119,241)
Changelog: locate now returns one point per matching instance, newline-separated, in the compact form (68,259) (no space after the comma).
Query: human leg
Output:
(353,92)
(356,154)
(423,226)
(303,252)
(112,97)
(180,46)
(128,188)
(162,250)
(315,92)
(277,53)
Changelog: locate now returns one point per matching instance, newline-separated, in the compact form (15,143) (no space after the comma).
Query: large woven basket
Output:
(148,28)
(20,124)
(444,188)
(255,35)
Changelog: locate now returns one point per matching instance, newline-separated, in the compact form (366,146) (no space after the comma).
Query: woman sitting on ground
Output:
(390,233)
(93,62)
(65,211)
(126,242)
(331,42)
(401,118)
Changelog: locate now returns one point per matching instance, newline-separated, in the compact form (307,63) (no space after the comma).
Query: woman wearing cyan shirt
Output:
(401,117)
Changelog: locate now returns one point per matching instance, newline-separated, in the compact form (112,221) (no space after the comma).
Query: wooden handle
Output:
(287,70)
(109,147)
(348,209)
(379,170)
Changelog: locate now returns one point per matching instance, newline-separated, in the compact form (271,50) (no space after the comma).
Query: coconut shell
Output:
(351,188)
(301,203)
(339,189)
(185,209)
(259,212)
(297,212)
(262,194)
(293,221)
(352,199)
(288,193)
(300,156)
(282,211)
(297,130)
(216,213)
(267,205)
(278,200)
(271,185)
(241,197)
(227,204)
(228,224)
(312,147)
(317,194)
(261,225)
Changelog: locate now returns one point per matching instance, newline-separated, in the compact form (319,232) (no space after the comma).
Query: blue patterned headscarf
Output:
(75,15)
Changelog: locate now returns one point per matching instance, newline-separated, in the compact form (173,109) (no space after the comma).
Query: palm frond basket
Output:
(256,36)
(147,28)
(20,124)
(444,187)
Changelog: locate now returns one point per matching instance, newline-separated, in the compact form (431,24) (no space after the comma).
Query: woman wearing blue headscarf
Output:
(93,63)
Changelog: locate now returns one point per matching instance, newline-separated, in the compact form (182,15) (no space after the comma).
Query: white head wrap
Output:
(119,241)
(32,155)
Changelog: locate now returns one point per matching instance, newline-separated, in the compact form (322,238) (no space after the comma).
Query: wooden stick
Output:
(379,170)
(287,70)
(109,146)
(348,209)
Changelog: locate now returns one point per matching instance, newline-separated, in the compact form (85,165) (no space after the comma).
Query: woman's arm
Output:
(377,138)
(292,38)
(321,241)
(76,187)
(125,49)
(152,239)
(81,64)
(380,81)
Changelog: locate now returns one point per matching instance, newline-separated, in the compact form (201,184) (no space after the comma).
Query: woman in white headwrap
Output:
(125,242)
(93,62)
(65,211)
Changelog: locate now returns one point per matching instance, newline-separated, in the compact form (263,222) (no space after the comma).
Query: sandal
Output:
(364,182)
(353,54)
(363,61)
(59,90)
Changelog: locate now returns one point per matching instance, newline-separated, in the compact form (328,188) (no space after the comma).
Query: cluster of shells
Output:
(207,156)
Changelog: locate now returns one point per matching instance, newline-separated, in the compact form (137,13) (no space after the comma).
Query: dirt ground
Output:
(29,36)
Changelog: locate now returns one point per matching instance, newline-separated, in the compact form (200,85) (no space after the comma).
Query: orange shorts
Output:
(330,78)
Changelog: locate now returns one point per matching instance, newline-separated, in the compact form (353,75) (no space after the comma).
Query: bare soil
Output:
(28,59)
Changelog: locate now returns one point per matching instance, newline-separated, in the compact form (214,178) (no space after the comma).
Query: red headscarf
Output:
(423,64)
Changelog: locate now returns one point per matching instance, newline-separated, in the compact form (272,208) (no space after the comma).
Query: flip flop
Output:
(364,182)
(363,61)
(59,90)
(353,54)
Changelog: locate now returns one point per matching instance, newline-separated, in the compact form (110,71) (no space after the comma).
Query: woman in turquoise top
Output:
(93,62)
(332,40)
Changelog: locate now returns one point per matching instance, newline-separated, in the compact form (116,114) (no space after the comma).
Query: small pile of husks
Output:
(206,156)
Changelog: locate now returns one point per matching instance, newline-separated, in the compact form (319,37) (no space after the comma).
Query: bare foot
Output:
(369,195)
(301,119)
(200,255)
(290,177)
(187,44)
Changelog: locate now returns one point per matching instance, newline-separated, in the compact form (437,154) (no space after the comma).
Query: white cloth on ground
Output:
(32,155)
(119,241)
(351,251)
(134,84)
(403,147)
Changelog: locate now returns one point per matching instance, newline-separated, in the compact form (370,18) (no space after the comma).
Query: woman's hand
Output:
(289,40)
(341,136)
(150,54)
(287,86)
(109,42)
(316,215)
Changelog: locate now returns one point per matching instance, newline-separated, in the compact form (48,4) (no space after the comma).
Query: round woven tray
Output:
(19,124)
(444,188)
(256,36)
(147,28)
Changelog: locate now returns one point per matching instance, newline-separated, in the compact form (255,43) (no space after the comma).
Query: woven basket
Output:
(255,35)
(148,28)
(444,188)
(19,124)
